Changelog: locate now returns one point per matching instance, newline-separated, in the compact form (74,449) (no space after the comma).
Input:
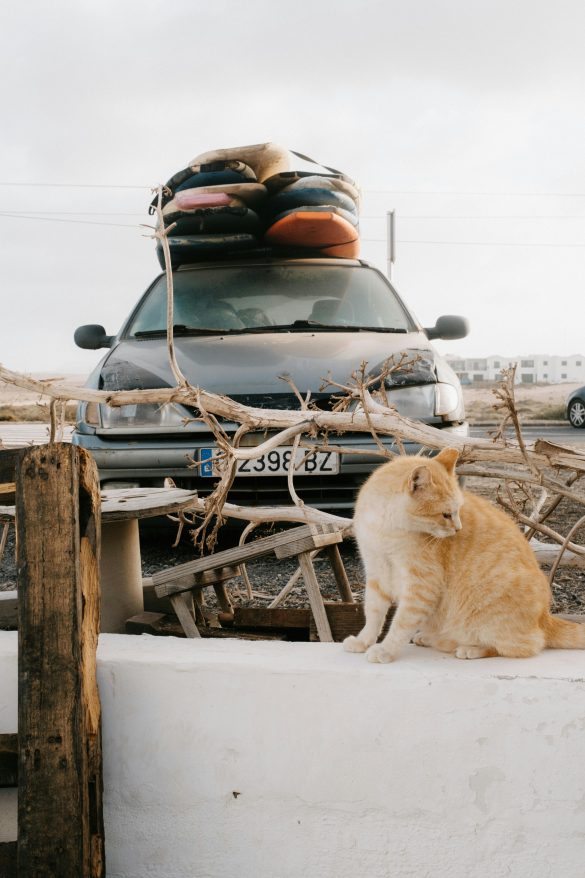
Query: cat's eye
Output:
(447,515)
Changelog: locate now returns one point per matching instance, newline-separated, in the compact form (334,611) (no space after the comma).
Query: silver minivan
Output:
(240,325)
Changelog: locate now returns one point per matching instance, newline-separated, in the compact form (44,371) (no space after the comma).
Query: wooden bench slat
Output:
(263,617)
(346,618)
(307,544)
(228,557)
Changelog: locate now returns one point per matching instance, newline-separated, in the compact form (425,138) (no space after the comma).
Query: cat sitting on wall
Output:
(464,578)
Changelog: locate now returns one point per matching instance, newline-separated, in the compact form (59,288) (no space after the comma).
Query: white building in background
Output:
(531,369)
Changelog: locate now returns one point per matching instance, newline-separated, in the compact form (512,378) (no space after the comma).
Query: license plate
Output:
(275,463)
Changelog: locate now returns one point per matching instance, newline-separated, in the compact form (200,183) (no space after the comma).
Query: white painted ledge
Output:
(276,760)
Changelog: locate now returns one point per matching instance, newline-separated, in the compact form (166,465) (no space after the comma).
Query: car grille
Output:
(324,492)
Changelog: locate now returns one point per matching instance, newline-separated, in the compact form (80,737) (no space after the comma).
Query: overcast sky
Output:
(464,116)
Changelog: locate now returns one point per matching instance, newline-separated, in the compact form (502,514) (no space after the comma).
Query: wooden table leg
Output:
(120,574)
(315,598)
(181,608)
(340,574)
(223,598)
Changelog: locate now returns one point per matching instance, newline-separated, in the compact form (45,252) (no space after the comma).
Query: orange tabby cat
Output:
(463,576)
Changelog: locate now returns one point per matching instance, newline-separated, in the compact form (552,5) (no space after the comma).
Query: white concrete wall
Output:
(270,760)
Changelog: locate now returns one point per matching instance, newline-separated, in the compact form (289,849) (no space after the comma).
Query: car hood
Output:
(247,367)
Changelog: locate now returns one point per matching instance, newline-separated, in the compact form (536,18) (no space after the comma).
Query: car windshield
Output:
(264,298)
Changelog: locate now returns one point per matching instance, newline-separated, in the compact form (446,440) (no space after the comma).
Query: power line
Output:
(50,219)
(73,212)
(80,185)
(482,194)
(469,243)
(402,216)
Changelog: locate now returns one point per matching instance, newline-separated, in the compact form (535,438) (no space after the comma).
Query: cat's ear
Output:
(448,457)
(419,478)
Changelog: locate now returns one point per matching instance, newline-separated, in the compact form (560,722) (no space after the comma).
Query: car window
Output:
(257,296)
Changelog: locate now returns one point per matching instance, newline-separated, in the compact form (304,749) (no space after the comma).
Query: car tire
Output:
(577,413)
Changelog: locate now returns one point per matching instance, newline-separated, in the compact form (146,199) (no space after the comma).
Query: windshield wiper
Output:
(330,327)
(181,329)
(381,329)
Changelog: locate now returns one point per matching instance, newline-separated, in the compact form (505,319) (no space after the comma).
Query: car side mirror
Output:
(449,326)
(92,336)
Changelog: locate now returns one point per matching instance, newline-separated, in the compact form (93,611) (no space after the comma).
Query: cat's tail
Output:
(562,634)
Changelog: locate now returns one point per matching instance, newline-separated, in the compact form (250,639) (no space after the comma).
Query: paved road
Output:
(561,434)
(13,435)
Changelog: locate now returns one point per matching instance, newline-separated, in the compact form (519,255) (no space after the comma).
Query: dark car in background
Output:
(238,326)
(575,409)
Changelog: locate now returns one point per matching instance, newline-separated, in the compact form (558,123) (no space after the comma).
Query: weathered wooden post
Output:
(60,822)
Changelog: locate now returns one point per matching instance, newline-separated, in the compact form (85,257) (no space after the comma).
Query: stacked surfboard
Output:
(247,198)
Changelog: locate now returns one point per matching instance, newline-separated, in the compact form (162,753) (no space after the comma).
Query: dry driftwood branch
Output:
(505,393)
(565,544)
(356,410)
(161,234)
(388,422)
(517,513)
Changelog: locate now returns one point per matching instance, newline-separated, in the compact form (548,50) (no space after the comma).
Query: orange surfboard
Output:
(343,251)
(303,228)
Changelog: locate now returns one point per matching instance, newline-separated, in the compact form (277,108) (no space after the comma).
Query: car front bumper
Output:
(148,460)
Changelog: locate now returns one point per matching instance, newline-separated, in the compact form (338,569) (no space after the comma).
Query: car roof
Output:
(273,260)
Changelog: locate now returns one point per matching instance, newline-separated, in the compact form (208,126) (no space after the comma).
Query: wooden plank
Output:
(199,580)
(171,627)
(124,503)
(307,544)
(262,617)
(8,761)
(145,623)
(60,821)
(572,617)
(164,580)
(9,458)
(345,619)
(8,609)
(315,598)
(8,859)
(200,611)
(213,577)
(223,598)
(232,634)
(338,568)
(184,616)
(152,603)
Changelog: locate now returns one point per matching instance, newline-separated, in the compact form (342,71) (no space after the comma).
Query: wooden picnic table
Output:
(121,567)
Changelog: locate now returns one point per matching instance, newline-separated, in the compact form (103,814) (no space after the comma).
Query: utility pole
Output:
(390,241)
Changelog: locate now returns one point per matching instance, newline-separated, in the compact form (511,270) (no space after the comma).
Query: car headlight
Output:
(447,399)
(142,415)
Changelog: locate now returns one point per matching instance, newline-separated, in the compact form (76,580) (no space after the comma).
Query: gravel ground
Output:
(268,575)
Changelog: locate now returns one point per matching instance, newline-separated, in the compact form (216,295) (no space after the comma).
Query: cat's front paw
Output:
(472,652)
(379,653)
(354,644)
(419,640)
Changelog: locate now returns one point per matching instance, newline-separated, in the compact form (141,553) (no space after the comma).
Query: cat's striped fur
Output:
(462,575)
